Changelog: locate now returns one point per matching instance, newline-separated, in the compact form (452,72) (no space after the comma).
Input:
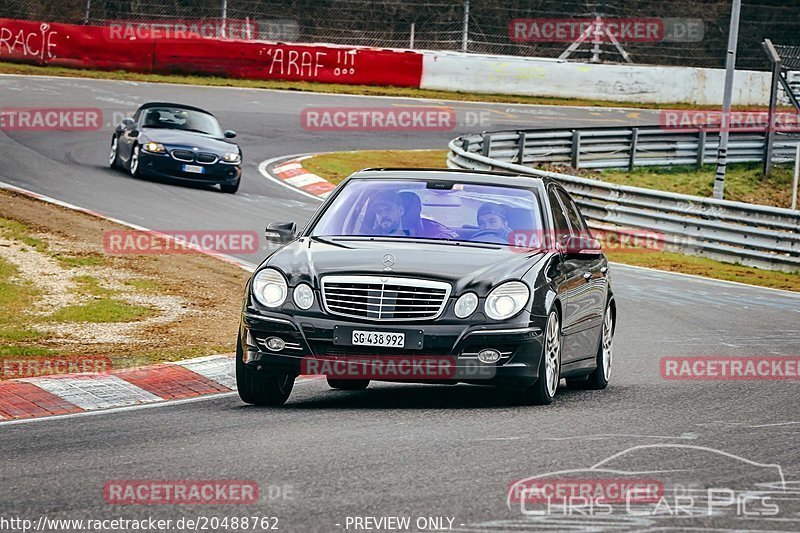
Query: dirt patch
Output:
(184,304)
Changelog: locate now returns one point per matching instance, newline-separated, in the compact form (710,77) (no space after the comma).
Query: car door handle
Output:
(587,276)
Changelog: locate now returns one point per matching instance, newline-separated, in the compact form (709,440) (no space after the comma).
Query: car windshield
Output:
(176,118)
(452,211)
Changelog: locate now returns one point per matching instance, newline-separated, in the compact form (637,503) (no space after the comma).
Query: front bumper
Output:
(312,340)
(164,166)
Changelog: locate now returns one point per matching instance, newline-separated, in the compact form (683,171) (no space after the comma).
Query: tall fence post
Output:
(775,59)
(701,148)
(521,148)
(224,18)
(796,177)
(411,39)
(465,32)
(486,144)
(634,144)
(576,148)
(88,11)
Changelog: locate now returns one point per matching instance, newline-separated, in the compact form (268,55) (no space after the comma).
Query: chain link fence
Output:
(685,32)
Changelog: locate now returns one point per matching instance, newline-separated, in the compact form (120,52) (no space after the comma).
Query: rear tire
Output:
(348,384)
(598,379)
(230,189)
(257,389)
(544,390)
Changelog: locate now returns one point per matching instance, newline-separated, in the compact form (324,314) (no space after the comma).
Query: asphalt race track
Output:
(396,450)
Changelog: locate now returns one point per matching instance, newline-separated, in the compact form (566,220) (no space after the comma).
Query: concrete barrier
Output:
(531,76)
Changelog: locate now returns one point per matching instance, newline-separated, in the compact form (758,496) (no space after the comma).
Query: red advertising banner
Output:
(104,48)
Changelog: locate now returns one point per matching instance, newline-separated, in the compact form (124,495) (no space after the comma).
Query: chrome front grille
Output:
(384,298)
(186,156)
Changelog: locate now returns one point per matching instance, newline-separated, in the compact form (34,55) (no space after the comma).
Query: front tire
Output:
(133,164)
(598,379)
(348,384)
(544,390)
(230,188)
(257,389)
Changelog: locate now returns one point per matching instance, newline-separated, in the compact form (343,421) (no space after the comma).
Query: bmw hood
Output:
(464,266)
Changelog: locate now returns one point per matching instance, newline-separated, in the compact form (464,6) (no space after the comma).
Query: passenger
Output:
(493,224)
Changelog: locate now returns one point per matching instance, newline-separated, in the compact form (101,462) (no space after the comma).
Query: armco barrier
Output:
(755,235)
(94,47)
(629,146)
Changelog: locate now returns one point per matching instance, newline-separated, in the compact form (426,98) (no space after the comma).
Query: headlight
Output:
(156,148)
(507,300)
(269,287)
(466,305)
(232,157)
(303,296)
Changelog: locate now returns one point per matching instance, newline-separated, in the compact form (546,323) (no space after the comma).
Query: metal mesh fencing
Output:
(687,32)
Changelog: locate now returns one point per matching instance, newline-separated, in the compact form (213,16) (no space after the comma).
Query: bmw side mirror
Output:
(230,134)
(576,246)
(126,124)
(280,232)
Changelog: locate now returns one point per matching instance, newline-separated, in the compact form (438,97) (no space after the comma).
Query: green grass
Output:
(16,297)
(302,86)
(338,165)
(16,231)
(77,261)
(148,285)
(743,182)
(102,310)
(90,286)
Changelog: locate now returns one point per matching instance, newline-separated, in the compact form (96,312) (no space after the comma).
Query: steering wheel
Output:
(483,232)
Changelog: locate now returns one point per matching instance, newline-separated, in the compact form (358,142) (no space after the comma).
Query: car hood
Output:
(188,139)
(465,266)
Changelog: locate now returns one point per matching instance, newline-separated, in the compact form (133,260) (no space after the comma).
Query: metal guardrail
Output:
(629,147)
(754,235)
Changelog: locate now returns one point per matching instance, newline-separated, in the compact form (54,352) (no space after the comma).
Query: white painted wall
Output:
(453,71)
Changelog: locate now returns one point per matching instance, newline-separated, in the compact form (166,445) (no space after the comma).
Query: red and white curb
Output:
(76,393)
(292,173)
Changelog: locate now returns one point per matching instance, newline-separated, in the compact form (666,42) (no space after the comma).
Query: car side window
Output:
(561,226)
(579,228)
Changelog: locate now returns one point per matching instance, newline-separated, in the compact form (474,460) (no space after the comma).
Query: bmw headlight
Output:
(154,148)
(507,300)
(466,305)
(303,296)
(232,157)
(269,287)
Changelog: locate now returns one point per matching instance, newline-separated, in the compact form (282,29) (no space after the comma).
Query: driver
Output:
(493,222)
(388,213)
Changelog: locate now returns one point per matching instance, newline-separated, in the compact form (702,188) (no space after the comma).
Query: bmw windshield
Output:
(448,211)
(176,118)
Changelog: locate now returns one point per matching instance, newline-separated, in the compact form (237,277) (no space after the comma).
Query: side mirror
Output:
(230,134)
(280,232)
(126,124)
(582,246)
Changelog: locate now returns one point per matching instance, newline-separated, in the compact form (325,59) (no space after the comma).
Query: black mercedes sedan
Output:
(179,142)
(437,276)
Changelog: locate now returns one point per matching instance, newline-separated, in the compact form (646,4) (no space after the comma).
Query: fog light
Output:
(276,344)
(488,356)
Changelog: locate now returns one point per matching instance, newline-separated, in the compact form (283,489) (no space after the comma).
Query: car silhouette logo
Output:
(388,260)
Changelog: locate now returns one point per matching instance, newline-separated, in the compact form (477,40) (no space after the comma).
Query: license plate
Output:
(378,338)
(196,169)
